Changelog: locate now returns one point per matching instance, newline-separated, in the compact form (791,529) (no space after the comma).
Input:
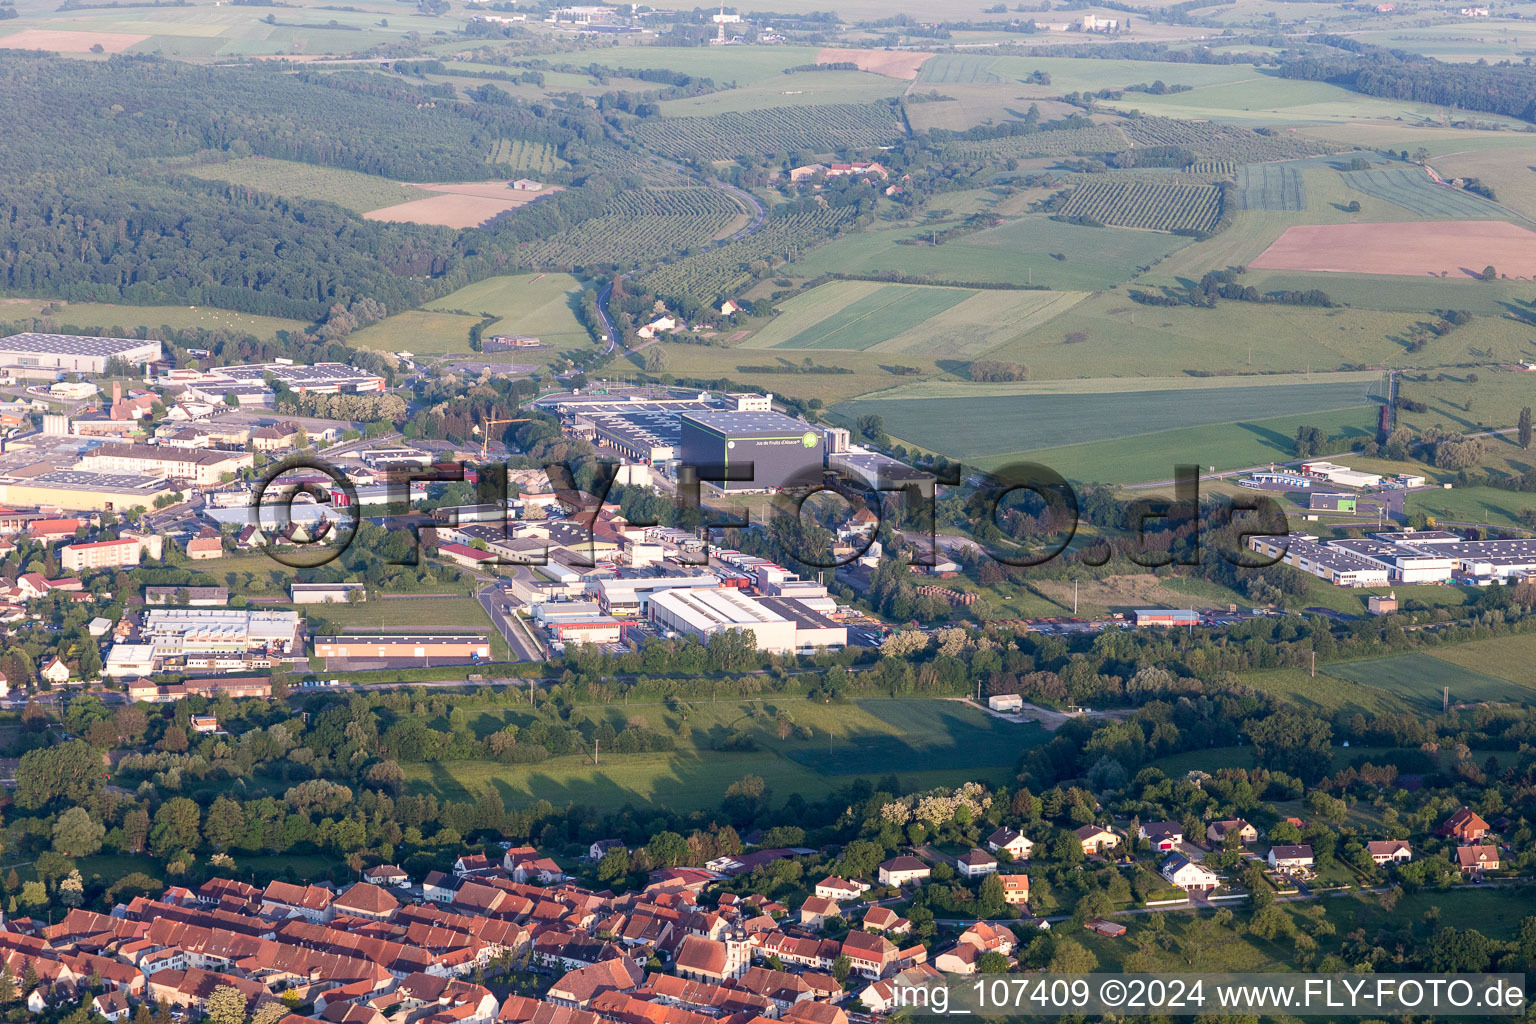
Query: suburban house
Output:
(1291,858)
(1390,851)
(1015,889)
(868,954)
(596,850)
(1163,835)
(960,958)
(989,938)
(1218,831)
(834,888)
(1006,840)
(1465,825)
(1096,839)
(815,911)
(976,864)
(904,871)
(884,919)
(1189,876)
(386,874)
(1474,860)
(880,996)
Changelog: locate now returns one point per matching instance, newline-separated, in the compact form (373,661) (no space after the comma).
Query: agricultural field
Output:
(801,89)
(1269,187)
(1216,141)
(523,155)
(1032,250)
(1218,447)
(1508,657)
(542,305)
(458,205)
(993,425)
(1418,679)
(718,272)
(956,68)
(733,66)
(877,315)
(418,331)
(1103,138)
(1134,204)
(1410,248)
(641,225)
(357,192)
(1412,189)
(815,129)
(927,742)
(874,317)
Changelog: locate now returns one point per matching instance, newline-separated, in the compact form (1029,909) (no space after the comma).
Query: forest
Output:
(1504,88)
(99,214)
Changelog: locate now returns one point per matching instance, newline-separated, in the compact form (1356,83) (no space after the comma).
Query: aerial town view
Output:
(823,511)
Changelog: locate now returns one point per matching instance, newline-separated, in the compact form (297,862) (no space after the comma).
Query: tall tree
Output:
(1524,428)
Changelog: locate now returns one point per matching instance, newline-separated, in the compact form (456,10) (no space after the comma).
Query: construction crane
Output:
(485,432)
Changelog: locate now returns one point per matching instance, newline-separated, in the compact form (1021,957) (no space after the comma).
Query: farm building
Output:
(1005,702)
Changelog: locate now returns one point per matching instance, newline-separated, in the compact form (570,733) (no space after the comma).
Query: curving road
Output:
(759,214)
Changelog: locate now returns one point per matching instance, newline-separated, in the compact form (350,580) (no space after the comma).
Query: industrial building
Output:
(202,468)
(630,597)
(44,486)
(179,630)
(74,354)
(301,378)
(1331,502)
(1339,567)
(441,647)
(1341,475)
(780,625)
(781,450)
(1168,617)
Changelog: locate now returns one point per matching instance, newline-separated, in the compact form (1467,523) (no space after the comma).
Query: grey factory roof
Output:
(734,422)
(70,344)
(1336,558)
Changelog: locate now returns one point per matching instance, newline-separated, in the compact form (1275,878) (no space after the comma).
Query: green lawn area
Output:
(1418,678)
(109,316)
(804,88)
(1021,251)
(542,305)
(351,189)
(878,315)
(417,331)
(978,322)
(991,426)
(1470,505)
(924,742)
(1508,657)
(736,65)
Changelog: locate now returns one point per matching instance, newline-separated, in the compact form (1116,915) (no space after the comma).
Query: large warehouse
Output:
(780,625)
(74,354)
(781,450)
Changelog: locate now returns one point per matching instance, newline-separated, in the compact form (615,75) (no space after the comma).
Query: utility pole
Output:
(1314,664)
(594,752)
(1074,597)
